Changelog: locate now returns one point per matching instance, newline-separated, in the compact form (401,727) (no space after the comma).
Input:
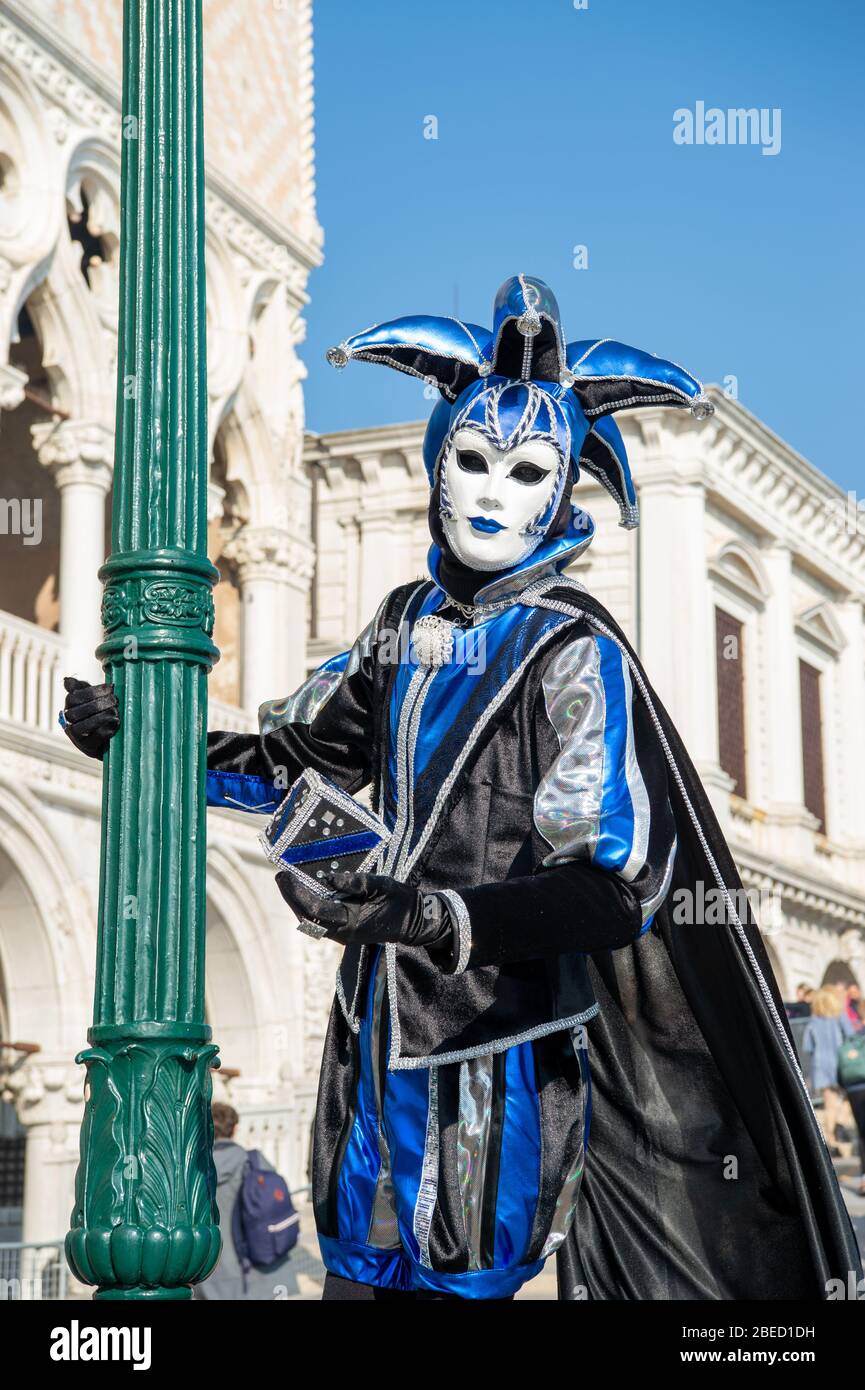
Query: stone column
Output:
(786,807)
(677,624)
(48,1097)
(851,676)
(274,569)
(377,555)
(677,621)
(79,455)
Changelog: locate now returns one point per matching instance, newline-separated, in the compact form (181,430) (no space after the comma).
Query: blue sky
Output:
(555,129)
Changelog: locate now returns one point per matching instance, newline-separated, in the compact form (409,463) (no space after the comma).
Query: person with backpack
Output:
(827,1029)
(258,1222)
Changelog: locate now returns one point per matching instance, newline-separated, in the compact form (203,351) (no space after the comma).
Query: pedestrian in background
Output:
(827,1028)
(255,1214)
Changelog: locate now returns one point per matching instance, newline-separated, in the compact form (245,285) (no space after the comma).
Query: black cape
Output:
(707,1176)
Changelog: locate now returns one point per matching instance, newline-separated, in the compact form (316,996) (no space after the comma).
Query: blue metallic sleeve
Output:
(327,724)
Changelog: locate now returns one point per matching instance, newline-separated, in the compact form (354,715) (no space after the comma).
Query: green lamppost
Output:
(144,1222)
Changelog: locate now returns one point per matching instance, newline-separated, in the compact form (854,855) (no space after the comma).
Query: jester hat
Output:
(521,380)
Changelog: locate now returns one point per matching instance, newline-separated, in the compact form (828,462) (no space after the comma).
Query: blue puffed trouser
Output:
(439,1179)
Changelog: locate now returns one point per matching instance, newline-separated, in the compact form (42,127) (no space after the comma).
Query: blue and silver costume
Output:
(548,1086)
(560,783)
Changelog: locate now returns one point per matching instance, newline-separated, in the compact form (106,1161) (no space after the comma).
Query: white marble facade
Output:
(268,987)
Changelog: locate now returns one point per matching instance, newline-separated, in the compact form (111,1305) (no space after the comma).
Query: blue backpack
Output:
(264,1224)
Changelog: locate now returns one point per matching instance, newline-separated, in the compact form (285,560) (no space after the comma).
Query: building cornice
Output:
(372,439)
(750,470)
(823,896)
(750,474)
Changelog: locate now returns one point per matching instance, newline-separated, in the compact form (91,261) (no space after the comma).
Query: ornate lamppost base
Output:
(143,1222)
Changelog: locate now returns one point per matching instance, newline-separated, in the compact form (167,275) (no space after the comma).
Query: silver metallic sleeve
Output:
(303,705)
(593,802)
(567,807)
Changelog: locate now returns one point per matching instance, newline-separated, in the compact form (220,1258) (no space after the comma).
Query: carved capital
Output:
(76,452)
(268,552)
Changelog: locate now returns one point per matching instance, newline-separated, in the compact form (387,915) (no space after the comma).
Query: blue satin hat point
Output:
(586,381)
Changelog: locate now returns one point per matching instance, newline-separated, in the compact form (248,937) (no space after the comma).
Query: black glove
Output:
(371,909)
(91,714)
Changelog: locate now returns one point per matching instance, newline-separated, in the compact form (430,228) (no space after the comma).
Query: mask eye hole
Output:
(471,462)
(528,473)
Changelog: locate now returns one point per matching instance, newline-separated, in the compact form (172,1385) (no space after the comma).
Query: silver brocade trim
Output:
(629,511)
(361,962)
(348,1013)
(407,732)
(428,1190)
(410,750)
(383,1232)
(673,396)
(637,788)
(701,834)
(463,925)
(542,1030)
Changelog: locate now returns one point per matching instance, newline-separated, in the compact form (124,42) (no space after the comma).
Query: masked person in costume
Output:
(526,1054)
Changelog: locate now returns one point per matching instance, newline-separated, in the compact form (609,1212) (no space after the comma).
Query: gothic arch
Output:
(227,349)
(40,926)
(32,210)
(93,170)
(250,456)
(239,981)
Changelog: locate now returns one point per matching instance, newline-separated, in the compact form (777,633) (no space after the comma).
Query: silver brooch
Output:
(433,640)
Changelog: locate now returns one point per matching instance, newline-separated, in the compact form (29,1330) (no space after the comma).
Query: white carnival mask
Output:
(493,496)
